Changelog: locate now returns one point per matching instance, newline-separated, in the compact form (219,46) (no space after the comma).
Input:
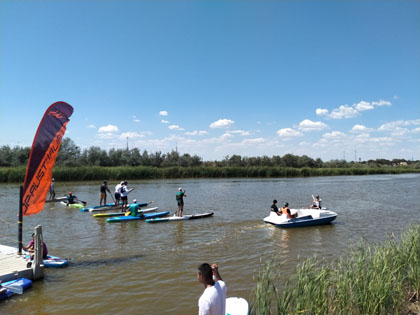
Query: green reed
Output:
(376,279)
(79,173)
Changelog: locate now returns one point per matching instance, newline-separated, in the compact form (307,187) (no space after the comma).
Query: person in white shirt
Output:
(118,193)
(213,299)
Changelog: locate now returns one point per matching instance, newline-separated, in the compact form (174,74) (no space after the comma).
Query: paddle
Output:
(112,197)
(15,288)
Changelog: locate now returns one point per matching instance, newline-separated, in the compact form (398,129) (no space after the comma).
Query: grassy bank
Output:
(370,280)
(17,174)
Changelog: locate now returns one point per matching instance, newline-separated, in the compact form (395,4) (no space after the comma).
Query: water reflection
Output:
(104,261)
(179,233)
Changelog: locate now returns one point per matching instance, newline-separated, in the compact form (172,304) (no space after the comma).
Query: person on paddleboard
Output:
(180,200)
(134,209)
(117,193)
(52,191)
(213,299)
(103,189)
(124,195)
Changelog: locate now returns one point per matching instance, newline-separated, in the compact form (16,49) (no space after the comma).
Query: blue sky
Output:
(329,79)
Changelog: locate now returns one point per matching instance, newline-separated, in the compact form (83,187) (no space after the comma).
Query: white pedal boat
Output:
(306,217)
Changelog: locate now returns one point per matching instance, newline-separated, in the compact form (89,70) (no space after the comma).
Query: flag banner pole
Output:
(20,221)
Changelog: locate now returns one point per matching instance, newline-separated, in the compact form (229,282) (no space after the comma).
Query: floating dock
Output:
(12,265)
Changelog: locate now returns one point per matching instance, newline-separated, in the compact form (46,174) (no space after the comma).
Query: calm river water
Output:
(142,268)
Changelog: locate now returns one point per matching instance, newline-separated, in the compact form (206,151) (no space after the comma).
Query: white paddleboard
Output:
(236,306)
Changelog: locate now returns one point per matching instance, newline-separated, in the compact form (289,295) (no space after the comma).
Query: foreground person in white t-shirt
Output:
(213,299)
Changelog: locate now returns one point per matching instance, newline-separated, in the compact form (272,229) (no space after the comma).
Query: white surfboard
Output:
(236,306)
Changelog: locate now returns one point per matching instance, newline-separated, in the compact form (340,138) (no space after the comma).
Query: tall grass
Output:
(79,173)
(370,280)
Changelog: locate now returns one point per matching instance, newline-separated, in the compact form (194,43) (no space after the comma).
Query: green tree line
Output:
(71,155)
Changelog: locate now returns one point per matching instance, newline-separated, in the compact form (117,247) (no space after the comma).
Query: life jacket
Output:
(71,199)
(284,210)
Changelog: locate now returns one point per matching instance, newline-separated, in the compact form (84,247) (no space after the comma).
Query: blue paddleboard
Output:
(131,218)
(18,284)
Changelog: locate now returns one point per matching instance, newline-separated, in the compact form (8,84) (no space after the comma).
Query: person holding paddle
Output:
(180,200)
(124,195)
(103,189)
(71,199)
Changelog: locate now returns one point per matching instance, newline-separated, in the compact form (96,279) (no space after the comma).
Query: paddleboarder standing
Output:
(180,200)
(103,189)
(52,191)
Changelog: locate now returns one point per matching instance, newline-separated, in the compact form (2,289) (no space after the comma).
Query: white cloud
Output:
(108,128)
(321,111)
(398,123)
(383,103)
(175,127)
(347,111)
(362,106)
(131,135)
(289,133)
(91,126)
(334,135)
(163,113)
(222,123)
(309,125)
(253,141)
(135,119)
(360,128)
(164,121)
(196,133)
(106,135)
(240,132)
(344,111)
(226,136)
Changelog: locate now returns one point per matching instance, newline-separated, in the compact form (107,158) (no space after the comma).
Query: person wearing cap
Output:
(124,195)
(52,191)
(180,200)
(134,209)
(103,189)
(316,202)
